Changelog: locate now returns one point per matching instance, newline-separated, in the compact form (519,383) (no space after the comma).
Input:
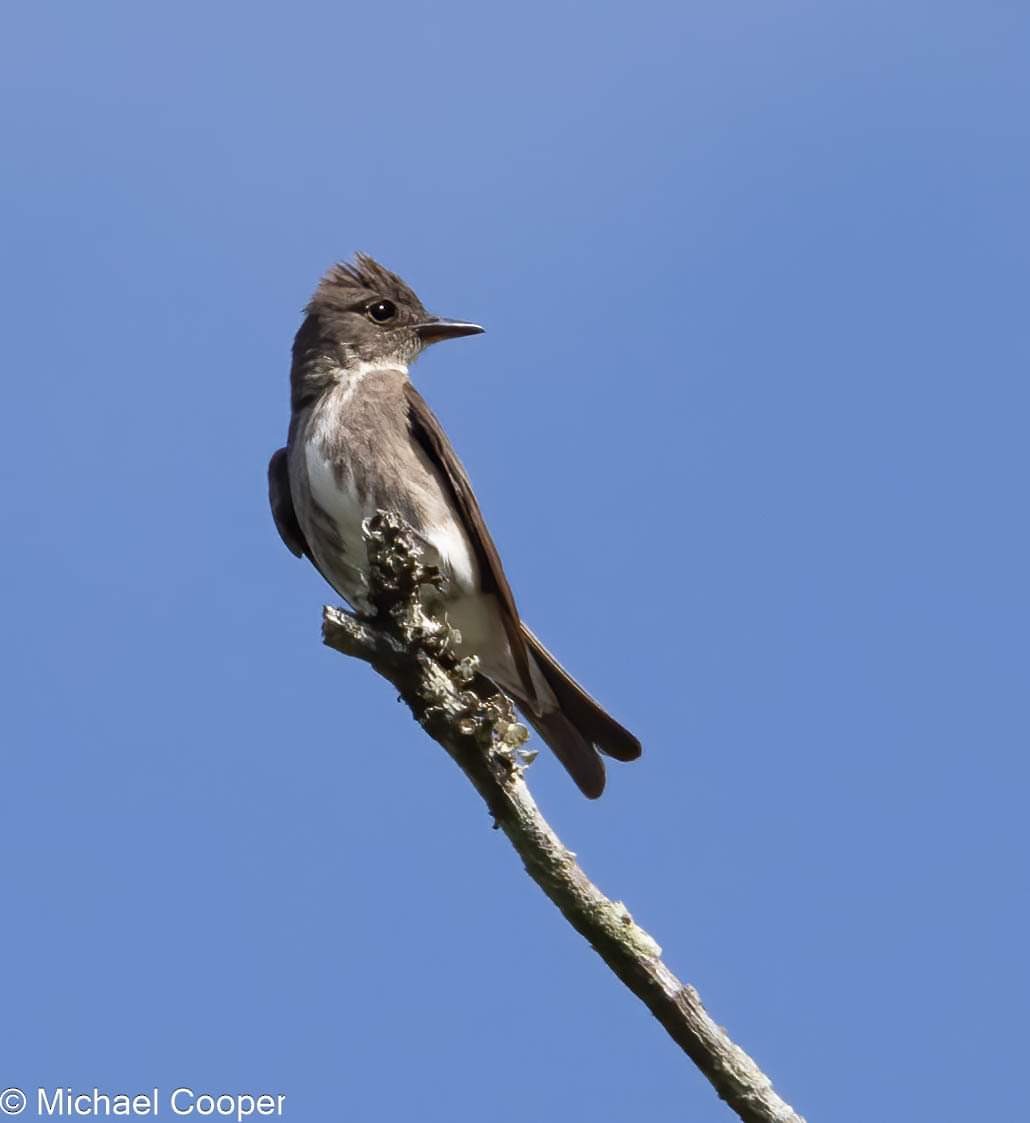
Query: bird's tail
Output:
(580,728)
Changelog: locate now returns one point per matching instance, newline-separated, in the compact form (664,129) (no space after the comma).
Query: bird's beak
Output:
(435,329)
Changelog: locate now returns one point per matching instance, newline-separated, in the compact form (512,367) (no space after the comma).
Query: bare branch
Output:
(409,643)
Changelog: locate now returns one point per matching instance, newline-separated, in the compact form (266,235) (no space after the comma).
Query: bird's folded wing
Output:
(281,502)
(427,430)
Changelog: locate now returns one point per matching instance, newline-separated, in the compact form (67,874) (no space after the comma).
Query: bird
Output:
(362,439)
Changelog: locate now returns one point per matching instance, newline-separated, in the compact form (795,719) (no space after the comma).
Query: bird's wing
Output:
(427,430)
(281,502)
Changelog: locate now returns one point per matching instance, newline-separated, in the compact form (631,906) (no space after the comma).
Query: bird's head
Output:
(361,312)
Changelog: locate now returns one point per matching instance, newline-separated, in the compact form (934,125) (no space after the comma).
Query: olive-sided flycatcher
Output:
(362,439)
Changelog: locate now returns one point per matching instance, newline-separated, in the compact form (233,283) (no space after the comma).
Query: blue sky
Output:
(750,426)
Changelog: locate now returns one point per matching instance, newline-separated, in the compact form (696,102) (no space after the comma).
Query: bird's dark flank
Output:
(362,439)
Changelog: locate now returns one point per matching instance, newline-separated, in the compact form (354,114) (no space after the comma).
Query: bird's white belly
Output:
(441,531)
(475,614)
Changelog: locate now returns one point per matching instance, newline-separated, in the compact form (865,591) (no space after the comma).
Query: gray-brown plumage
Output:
(362,439)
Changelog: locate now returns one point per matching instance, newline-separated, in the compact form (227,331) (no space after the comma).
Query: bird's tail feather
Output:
(580,726)
(576,754)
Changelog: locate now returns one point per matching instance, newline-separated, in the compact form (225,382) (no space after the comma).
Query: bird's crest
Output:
(347,282)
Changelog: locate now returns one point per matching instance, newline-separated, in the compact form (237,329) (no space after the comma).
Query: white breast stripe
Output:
(340,502)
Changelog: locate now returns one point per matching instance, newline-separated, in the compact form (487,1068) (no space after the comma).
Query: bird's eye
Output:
(382,311)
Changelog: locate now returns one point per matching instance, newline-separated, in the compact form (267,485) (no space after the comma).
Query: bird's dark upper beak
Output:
(435,329)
